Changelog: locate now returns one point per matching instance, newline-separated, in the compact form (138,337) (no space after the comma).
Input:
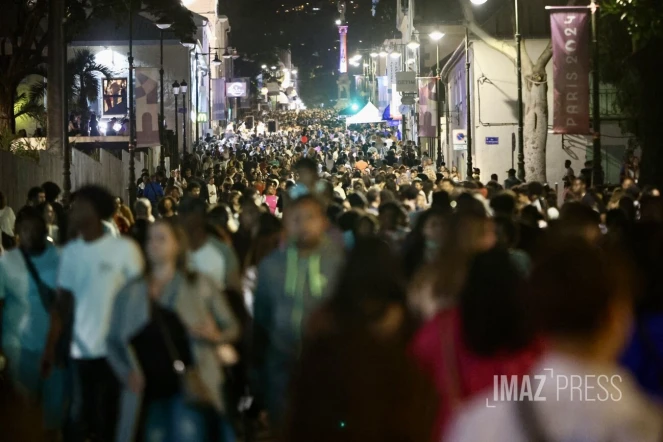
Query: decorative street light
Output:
(414,44)
(162,157)
(436,36)
(395,55)
(373,54)
(338,22)
(264,66)
(216,61)
(383,53)
(183,89)
(174,153)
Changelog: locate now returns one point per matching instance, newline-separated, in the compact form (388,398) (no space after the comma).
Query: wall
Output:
(19,174)
(495,114)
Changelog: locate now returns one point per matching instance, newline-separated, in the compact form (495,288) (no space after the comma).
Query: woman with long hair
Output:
(355,381)
(482,334)
(166,328)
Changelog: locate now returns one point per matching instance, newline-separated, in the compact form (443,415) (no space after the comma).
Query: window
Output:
(115,96)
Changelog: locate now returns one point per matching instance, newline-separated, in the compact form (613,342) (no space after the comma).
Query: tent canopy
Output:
(369,114)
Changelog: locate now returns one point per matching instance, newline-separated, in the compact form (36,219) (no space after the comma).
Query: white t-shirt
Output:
(209,261)
(7,220)
(211,191)
(94,273)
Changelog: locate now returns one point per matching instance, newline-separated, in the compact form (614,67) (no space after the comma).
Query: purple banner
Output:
(428,107)
(570,42)
(218,99)
(147,107)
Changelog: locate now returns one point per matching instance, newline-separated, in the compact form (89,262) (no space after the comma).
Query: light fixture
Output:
(414,44)
(395,55)
(355,107)
(436,35)
(189,43)
(264,66)
(356,56)
(226,54)
(374,54)
(294,71)
(183,87)
(338,22)
(478,2)
(176,88)
(286,70)
(216,61)
(273,68)
(383,53)
(163,25)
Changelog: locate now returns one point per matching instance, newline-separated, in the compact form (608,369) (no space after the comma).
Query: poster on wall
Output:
(570,43)
(237,88)
(147,107)
(114,96)
(428,107)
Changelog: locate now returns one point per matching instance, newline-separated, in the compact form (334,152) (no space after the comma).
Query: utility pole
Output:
(132,113)
(597,170)
(57,104)
(468,107)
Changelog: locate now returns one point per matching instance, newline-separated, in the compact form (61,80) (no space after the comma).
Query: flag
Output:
(428,118)
(570,43)
(218,99)
(147,107)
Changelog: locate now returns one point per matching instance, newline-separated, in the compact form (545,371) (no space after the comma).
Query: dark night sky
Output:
(306,27)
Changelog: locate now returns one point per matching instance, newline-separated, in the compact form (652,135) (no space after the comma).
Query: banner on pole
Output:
(218,99)
(570,43)
(428,119)
(147,107)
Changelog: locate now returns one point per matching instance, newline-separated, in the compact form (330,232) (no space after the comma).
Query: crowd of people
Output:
(325,284)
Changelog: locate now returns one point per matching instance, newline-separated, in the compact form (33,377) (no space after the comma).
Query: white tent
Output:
(369,114)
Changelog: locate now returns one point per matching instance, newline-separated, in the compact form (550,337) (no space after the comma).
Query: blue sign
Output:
(492,140)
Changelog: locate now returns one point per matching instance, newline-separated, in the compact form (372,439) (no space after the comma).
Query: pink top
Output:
(475,373)
(271,201)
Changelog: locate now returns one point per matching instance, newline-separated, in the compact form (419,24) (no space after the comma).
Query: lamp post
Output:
(162,157)
(183,88)
(519,72)
(132,116)
(436,36)
(176,157)
(468,106)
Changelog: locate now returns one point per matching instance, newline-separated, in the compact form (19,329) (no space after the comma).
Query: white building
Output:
(493,89)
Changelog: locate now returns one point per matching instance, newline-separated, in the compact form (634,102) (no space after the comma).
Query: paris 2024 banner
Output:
(570,42)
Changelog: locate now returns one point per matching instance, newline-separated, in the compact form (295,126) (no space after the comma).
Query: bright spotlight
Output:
(435,35)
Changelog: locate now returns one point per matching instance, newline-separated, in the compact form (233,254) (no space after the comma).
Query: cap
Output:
(511,171)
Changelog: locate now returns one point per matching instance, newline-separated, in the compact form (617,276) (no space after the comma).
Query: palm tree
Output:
(81,84)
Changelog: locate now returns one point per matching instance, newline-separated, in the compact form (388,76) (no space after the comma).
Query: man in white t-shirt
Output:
(204,256)
(93,268)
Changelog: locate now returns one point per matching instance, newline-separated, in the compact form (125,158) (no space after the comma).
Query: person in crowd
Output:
(165,317)
(354,349)
(511,180)
(211,191)
(152,190)
(93,268)
(52,228)
(7,221)
(167,207)
(27,294)
(204,257)
(138,231)
(123,217)
(94,125)
(36,196)
(292,281)
(584,338)
(486,333)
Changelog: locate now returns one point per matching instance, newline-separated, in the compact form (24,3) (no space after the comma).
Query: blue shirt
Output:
(25,321)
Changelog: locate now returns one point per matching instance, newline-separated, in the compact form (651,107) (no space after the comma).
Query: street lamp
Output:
(183,89)
(162,158)
(436,36)
(294,72)
(175,159)
(216,61)
(373,54)
(383,54)
(519,73)
(338,22)
(414,44)
(273,68)
(264,66)
(395,55)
